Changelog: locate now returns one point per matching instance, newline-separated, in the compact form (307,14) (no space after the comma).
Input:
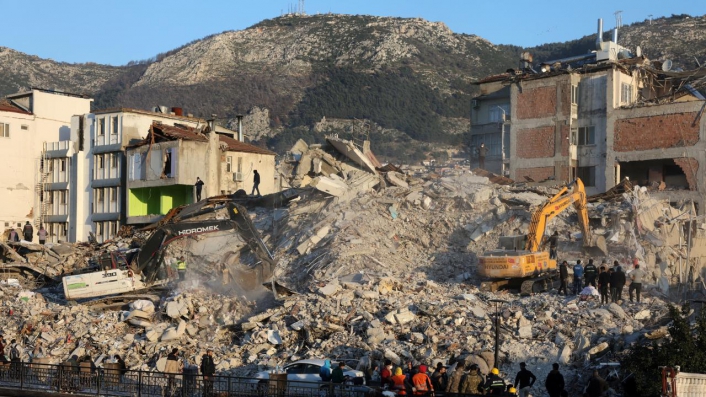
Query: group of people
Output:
(461,381)
(28,233)
(609,281)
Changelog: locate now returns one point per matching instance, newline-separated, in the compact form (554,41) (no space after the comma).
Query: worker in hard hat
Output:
(181,268)
(511,391)
(494,384)
(399,382)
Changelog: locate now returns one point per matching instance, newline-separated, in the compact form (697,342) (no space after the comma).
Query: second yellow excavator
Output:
(529,268)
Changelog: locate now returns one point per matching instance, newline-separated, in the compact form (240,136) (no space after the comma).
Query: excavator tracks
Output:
(537,285)
(119,301)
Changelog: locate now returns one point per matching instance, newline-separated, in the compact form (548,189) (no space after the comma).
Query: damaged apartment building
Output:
(601,116)
(89,191)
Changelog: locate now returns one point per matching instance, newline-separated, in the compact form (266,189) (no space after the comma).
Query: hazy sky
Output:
(115,32)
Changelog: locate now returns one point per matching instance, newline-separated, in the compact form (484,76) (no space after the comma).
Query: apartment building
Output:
(603,116)
(88,193)
(28,120)
(164,166)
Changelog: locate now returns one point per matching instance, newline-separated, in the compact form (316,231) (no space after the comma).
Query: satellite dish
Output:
(667,65)
(638,51)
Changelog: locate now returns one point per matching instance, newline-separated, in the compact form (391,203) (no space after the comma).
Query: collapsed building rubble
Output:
(371,265)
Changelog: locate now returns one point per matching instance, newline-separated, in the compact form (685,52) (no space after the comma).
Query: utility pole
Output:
(650,17)
(497,330)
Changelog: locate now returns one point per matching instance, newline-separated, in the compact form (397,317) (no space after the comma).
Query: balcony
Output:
(57,149)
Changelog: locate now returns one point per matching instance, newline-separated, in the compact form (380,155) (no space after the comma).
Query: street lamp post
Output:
(497,329)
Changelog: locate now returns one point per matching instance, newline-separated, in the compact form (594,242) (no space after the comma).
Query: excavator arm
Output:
(150,257)
(554,207)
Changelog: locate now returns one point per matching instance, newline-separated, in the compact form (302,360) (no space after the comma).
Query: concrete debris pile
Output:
(193,321)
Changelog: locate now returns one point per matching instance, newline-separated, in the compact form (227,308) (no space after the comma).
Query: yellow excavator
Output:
(519,262)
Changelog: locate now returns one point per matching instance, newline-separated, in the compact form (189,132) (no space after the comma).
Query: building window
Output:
(587,175)
(4,130)
(626,93)
(496,113)
(51,165)
(574,95)
(114,160)
(229,164)
(114,194)
(99,159)
(100,195)
(583,136)
(240,164)
(101,126)
(62,162)
(114,130)
(24,127)
(113,228)
(62,197)
(492,141)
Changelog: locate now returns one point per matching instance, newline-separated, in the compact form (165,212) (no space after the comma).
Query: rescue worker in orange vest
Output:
(422,383)
(399,382)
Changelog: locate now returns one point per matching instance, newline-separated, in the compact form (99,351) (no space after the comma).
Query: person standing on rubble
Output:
(199,187)
(28,232)
(208,369)
(619,283)
(554,382)
(181,268)
(603,285)
(563,277)
(596,385)
(42,234)
(255,184)
(590,273)
(482,152)
(14,237)
(636,277)
(524,380)
(578,275)
(553,245)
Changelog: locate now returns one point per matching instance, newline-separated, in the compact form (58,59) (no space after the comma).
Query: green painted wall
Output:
(158,200)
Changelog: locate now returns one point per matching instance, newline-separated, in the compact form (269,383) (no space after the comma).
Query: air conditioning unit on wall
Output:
(237,177)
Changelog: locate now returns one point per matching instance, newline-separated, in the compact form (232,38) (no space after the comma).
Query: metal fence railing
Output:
(113,382)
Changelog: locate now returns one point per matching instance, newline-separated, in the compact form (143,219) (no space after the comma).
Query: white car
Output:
(305,373)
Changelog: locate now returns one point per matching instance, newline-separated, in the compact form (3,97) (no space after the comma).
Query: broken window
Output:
(626,93)
(4,130)
(167,171)
(574,95)
(660,173)
(587,175)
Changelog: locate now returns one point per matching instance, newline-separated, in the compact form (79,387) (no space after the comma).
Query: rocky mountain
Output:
(405,83)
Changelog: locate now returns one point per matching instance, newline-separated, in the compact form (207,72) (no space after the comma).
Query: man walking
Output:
(199,187)
(256,184)
(28,232)
(555,382)
(42,234)
(578,275)
(208,369)
(524,380)
(603,285)
(482,152)
(590,273)
(636,277)
(563,275)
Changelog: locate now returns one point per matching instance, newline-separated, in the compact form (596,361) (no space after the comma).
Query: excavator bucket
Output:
(596,246)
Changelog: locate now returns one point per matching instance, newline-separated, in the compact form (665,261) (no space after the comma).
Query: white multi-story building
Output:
(28,120)
(89,167)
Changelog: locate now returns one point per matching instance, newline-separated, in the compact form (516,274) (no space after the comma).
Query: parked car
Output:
(308,371)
